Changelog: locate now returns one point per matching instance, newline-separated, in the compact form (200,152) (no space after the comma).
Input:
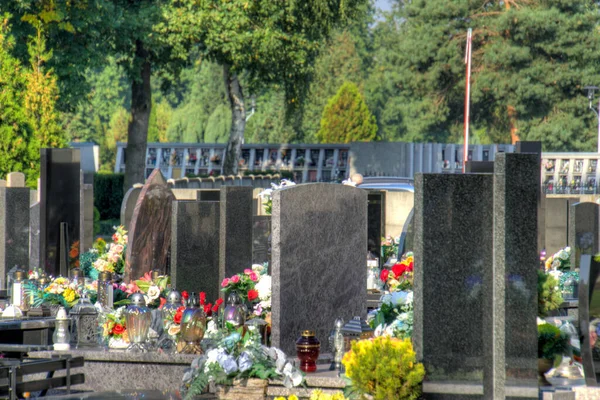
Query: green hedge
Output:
(108,194)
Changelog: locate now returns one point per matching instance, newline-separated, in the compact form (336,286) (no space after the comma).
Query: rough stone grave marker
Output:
(150,230)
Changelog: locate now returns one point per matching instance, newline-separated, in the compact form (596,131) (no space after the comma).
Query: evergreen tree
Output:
(346,118)
(19,149)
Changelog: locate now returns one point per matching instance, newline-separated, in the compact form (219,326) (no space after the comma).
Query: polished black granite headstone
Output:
(195,247)
(14,230)
(375,215)
(589,318)
(59,202)
(236,230)
(261,239)
(319,258)
(556,226)
(510,330)
(584,226)
(453,247)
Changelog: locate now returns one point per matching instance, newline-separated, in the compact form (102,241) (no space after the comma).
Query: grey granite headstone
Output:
(556,217)
(128,205)
(584,225)
(87,211)
(60,203)
(33,197)
(14,229)
(261,239)
(589,309)
(319,257)
(452,247)
(510,329)
(236,230)
(195,247)
(15,179)
(34,236)
(150,230)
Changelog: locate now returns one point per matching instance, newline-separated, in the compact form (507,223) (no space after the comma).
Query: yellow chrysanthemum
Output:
(69,295)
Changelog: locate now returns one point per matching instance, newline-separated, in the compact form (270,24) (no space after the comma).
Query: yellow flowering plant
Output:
(384,368)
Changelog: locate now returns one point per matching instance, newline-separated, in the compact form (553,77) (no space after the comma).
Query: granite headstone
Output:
(14,229)
(452,248)
(128,204)
(375,215)
(510,330)
(60,203)
(195,247)
(34,236)
(87,211)
(150,230)
(319,258)
(584,225)
(235,253)
(589,310)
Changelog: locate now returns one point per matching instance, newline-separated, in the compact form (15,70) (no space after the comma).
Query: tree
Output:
(530,61)
(265,41)
(19,148)
(346,118)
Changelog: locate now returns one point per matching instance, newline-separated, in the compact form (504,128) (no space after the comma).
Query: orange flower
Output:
(74,252)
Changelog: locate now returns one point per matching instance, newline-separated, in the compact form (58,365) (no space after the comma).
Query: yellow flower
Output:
(293,397)
(69,295)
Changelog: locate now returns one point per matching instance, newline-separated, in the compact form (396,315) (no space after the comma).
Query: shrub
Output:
(108,194)
(384,368)
(549,297)
(552,342)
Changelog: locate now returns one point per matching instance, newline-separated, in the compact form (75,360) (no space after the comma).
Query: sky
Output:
(383,4)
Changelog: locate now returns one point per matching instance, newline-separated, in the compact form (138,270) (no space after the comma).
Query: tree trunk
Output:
(233,152)
(137,131)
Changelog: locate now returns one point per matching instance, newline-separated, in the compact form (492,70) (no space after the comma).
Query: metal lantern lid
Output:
(357,327)
(234,299)
(84,307)
(174,297)
(137,299)
(19,275)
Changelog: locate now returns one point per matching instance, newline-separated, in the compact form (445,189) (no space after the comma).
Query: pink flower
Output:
(225,282)
(247,271)
(235,279)
(254,277)
(132,288)
(147,277)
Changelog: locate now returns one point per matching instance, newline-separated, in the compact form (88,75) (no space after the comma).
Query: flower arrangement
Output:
(400,276)
(395,315)
(60,291)
(254,287)
(267,194)
(173,322)
(209,308)
(114,330)
(113,258)
(239,356)
(549,297)
(154,291)
(74,254)
(560,261)
(552,342)
(384,368)
(389,248)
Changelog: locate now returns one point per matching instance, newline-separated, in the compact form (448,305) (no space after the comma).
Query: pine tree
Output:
(19,149)
(346,118)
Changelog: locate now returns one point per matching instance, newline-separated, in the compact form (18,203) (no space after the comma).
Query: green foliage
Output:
(552,342)
(549,297)
(346,118)
(385,368)
(108,194)
(218,125)
(85,262)
(96,221)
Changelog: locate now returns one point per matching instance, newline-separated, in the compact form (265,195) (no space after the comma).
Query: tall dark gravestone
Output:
(375,215)
(319,258)
(452,246)
(584,230)
(510,329)
(14,230)
(195,247)
(150,230)
(236,230)
(86,219)
(59,203)
(589,311)
(34,236)
(261,239)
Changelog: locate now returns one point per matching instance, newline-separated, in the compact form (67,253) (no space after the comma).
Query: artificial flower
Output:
(174,330)
(247,271)
(118,329)
(225,282)
(252,295)
(69,295)
(253,277)
(153,292)
(185,294)
(235,279)
(257,268)
(263,286)
(244,362)
(177,317)
(384,275)
(202,298)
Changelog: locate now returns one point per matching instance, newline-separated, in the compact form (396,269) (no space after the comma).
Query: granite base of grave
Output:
(159,375)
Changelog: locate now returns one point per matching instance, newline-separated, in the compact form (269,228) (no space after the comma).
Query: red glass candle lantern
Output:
(307,349)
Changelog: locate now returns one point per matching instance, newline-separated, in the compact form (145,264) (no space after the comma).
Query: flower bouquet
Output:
(560,261)
(394,317)
(114,330)
(113,258)
(254,288)
(267,194)
(239,357)
(60,292)
(154,291)
(400,276)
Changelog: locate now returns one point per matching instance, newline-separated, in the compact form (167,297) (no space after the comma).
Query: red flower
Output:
(177,317)
(207,308)
(219,301)
(252,294)
(202,298)
(163,301)
(215,308)
(185,294)
(398,270)
(180,309)
(118,329)
(384,275)
(115,237)
(410,267)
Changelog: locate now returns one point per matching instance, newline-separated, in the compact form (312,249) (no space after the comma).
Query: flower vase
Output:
(247,389)
(114,343)
(544,365)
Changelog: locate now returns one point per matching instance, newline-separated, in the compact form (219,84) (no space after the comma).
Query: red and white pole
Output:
(467,98)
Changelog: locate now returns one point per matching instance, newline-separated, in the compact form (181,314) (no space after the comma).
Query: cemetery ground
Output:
(255,287)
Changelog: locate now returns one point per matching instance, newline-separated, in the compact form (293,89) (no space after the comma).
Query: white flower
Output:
(556,263)
(293,377)
(147,299)
(286,182)
(349,183)
(265,304)
(264,287)
(258,268)
(153,292)
(265,193)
